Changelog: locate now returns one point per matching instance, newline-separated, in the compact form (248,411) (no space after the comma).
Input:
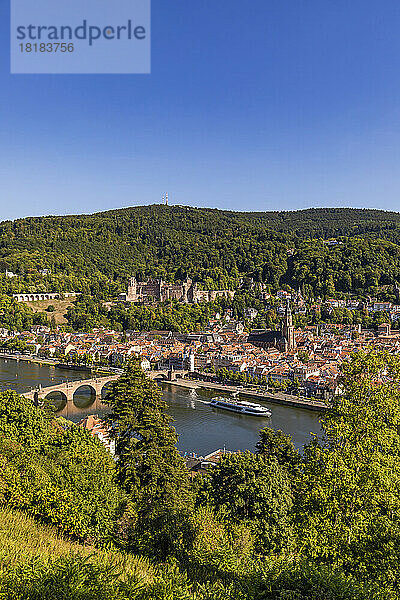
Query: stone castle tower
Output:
(288,329)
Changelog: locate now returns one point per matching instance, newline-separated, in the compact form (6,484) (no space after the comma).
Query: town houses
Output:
(100,429)
(307,357)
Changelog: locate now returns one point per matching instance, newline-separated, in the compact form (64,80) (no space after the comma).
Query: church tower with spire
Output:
(288,329)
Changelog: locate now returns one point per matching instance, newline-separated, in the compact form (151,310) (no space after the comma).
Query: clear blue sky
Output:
(262,105)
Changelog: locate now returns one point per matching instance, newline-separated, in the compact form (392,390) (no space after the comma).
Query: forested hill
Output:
(334,222)
(215,247)
(313,222)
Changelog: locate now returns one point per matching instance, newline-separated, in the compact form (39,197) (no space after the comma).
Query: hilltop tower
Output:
(288,329)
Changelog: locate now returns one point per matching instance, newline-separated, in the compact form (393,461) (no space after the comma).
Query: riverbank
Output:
(29,358)
(277,398)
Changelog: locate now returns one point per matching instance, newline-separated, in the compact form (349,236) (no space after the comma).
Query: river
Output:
(201,429)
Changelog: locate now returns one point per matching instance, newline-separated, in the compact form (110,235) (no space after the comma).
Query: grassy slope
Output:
(23,539)
(60,308)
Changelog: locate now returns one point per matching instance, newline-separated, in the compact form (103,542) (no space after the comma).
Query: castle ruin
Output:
(158,290)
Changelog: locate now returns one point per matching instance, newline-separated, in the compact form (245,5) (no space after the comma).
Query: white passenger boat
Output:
(240,406)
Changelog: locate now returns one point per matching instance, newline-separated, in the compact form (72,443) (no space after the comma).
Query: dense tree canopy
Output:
(349,505)
(65,477)
(254,489)
(276,444)
(325,252)
(87,313)
(96,254)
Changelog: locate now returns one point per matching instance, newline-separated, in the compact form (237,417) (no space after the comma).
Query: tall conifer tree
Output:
(149,466)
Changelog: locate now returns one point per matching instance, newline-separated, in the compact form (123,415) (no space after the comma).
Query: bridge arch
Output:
(57,399)
(84,396)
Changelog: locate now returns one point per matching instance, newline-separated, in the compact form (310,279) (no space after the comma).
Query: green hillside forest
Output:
(323,252)
(267,524)
(98,253)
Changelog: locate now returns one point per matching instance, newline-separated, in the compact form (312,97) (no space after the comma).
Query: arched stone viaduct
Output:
(35,297)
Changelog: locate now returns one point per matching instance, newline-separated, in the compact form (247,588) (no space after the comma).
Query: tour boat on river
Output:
(241,407)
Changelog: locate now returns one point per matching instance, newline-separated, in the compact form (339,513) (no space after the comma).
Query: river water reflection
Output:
(201,429)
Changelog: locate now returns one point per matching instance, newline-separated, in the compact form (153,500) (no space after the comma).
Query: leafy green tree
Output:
(254,489)
(278,445)
(66,478)
(349,505)
(220,544)
(16,345)
(302,580)
(21,421)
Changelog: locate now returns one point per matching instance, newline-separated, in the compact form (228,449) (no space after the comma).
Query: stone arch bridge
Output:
(66,400)
(64,394)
